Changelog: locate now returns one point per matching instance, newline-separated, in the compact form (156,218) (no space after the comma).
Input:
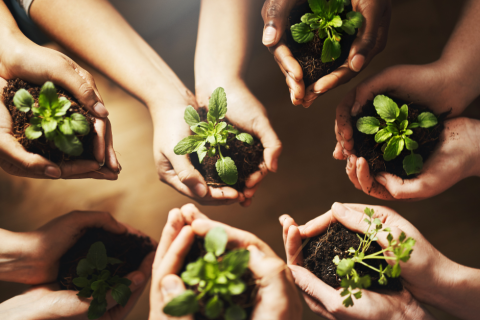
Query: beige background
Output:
(308,180)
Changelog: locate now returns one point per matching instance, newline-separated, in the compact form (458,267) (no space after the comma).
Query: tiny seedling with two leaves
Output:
(212,135)
(217,276)
(50,118)
(395,133)
(95,280)
(326,21)
(352,283)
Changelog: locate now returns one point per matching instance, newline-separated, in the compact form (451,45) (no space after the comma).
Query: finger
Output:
(275,14)
(250,192)
(287,62)
(317,307)
(138,280)
(190,213)
(293,246)
(286,221)
(100,127)
(317,226)
(172,286)
(174,225)
(313,287)
(188,175)
(110,156)
(103,174)
(264,266)
(352,171)
(246,203)
(344,121)
(297,90)
(70,168)
(257,176)
(273,146)
(399,188)
(338,152)
(80,220)
(369,185)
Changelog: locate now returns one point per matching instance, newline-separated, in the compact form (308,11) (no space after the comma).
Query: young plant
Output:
(394,135)
(351,280)
(212,135)
(49,118)
(326,20)
(217,277)
(95,280)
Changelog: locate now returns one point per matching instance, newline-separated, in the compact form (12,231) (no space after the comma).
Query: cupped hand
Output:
(277,297)
(371,40)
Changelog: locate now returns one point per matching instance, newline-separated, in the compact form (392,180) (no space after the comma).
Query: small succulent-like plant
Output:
(212,135)
(95,280)
(217,276)
(395,133)
(326,21)
(401,250)
(50,118)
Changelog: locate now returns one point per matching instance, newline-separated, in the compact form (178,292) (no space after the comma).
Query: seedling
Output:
(212,135)
(351,280)
(216,276)
(95,280)
(49,118)
(326,20)
(394,134)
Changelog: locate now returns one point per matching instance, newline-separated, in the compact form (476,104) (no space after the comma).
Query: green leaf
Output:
(49,125)
(396,271)
(382,135)
(386,108)
(235,313)
(318,6)
(33,132)
(368,125)
(369,212)
(245,137)
(216,241)
(301,32)
(227,170)
(348,27)
(194,271)
(335,6)
(48,96)
(358,294)
(235,261)
(408,132)
(66,126)
(392,127)
(97,309)
(104,275)
(336,22)
(403,113)
(85,293)
(23,100)
(214,307)
(217,105)
(310,18)
(232,129)
(427,120)
(336,260)
(191,116)
(201,131)
(114,261)
(403,125)
(348,302)
(210,257)
(394,148)
(410,144)
(84,268)
(182,305)
(331,50)
(97,255)
(202,152)
(413,125)
(345,267)
(121,293)
(81,282)
(80,124)
(355,18)
(62,107)
(236,287)
(188,145)
(68,144)
(413,163)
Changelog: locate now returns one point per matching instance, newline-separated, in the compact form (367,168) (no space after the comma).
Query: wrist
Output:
(415,311)
(13,257)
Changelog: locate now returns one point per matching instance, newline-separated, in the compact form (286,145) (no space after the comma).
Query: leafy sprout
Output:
(395,133)
(49,119)
(326,21)
(212,135)
(352,283)
(95,280)
(217,276)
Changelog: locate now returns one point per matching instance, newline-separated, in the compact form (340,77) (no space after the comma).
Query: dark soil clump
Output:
(247,158)
(41,145)
(129,248)
(309,55)
(246,300)
(320,251)
(366,147)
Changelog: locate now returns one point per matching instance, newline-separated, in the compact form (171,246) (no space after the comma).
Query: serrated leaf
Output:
(23,100)
(386,108)
(318,6)
(97,255)
(182,305)
(245,137)
(188,145)
(302,33)
(403,113)
(214,307)
(97,309)
(49,125)
(80,124)
(48,97)
(62,107)
(68,144)
(382,135)
(216,241)
(331,50)
(345,267)
(220,127)
(410,144)
(81,282)
(235,312)
(191,116)
(413,164)
(358,294)
(121,293)
(84,268)
(227,170)
(368,125)
(33,132)
(427,120)
(394,148)
(217,105)
(348,302)
(355,18)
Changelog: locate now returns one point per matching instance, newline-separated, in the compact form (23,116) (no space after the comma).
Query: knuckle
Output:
(87,90)
(368,41)
(184,175)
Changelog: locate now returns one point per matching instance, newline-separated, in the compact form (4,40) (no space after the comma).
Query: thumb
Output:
(275,14)
(400,188)
(172,286)
(188,175)
(350,218)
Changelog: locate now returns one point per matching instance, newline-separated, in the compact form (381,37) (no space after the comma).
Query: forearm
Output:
(12,268)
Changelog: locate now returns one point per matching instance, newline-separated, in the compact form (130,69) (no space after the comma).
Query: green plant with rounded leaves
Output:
(212,135)
(49,118)
(95,280)
(395,133)
(326,21)
(352,283)
(217,276)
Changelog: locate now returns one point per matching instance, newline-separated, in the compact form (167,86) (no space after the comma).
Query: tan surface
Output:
(308,181)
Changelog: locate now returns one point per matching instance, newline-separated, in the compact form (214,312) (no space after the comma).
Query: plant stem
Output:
(369,266)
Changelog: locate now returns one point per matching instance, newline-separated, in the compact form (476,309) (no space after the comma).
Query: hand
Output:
(371,40)
(249,115)
(276,299)
(47,302)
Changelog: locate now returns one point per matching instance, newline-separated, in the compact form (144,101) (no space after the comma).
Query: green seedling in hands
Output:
(326,20)
(352,283)
(95,280)
(49,118)
(394,134)
(211,136)
(217,276)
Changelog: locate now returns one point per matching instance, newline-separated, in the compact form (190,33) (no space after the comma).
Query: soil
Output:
(41,145)
(366,147)
(309,54)
(320,251)
(129,248)
(245,300)
(247,158)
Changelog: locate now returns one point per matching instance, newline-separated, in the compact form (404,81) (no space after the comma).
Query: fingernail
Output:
(101,164)
(274,165)
(138,279)
(269,35)
(341,134)
(100,109)
(291,75)
(292,97)
(307,104)
(357,62)
(343,144)
(53,172)
(339,209)
(349,163)
(170,286)
(200,190)
(355,109)
(255,254)
(381,179)
(119,167)
(301,229)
